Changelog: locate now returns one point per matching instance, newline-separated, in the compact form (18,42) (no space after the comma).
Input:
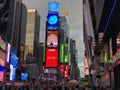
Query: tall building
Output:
(32,32)
(73,62)
(65,27)
(22,32)
(64,44)
(104,21)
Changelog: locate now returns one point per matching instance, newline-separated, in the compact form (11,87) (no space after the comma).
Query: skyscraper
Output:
(32,32)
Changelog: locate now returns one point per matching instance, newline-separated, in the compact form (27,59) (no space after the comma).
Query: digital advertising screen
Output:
(8,52)
(67,58)
(50,70)
(13,60)
(61,60)
(24,76)
(2,44)
(51,57)
(2,68)
(2,62)
(1,75)
(66,69)
(53,7)
(64,55)
(52,39)
(12,73)
(52,21)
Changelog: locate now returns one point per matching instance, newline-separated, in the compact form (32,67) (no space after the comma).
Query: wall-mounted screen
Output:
(24,76)
(51,57)
(52,39)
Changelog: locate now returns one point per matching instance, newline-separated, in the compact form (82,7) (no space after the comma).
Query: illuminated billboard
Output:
(2,62)
(66,69)
(61,60)
(51,57)
(64,55)
(53,7)
(1,75)
(52,21)
(12,73)
(66,58)
(2,68)
(13,60)
(24,76)
(8,52)
(52,38)
(86,67)
(2,44)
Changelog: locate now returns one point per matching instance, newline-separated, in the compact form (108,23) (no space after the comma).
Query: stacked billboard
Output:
(2,58)
(52,27)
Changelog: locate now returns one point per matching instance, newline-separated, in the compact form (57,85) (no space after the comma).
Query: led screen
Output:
(86,66)
(8,52)
(2,44)
(52,38)
(50,70)
(52,21)
(1,75)
(61,60)
(53,7)
(51,57)
(2,62)
(64,55)
(13,60)
(24,76)
(66,58)
(66,69)
(12,73)
(2,68)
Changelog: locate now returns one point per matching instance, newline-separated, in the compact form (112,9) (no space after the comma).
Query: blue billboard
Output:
(53,7)
(13,60)
(24,76)
(53,21)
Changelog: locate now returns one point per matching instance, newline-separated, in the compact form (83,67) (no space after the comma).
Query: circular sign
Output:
(53,19)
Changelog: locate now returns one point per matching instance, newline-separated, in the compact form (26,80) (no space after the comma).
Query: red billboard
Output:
(52,38)
(51,57)
(64,70)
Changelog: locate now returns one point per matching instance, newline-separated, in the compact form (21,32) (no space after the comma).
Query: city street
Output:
(59,45)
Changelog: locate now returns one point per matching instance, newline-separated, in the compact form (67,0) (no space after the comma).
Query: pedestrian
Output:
(77,87)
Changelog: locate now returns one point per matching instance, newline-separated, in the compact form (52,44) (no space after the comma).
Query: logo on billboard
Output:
(52,23)
(53,7)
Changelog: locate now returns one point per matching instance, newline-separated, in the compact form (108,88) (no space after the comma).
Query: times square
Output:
(27,64)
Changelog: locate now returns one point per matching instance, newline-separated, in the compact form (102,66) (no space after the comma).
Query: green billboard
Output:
(64,54)
(61,59)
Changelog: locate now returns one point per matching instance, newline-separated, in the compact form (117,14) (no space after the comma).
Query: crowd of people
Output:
(46,85)
(50,85)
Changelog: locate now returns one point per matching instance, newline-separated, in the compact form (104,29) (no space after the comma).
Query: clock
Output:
(53,19)
(53,6)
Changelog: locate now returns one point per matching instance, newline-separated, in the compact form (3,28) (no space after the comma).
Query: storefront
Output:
(116,67)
